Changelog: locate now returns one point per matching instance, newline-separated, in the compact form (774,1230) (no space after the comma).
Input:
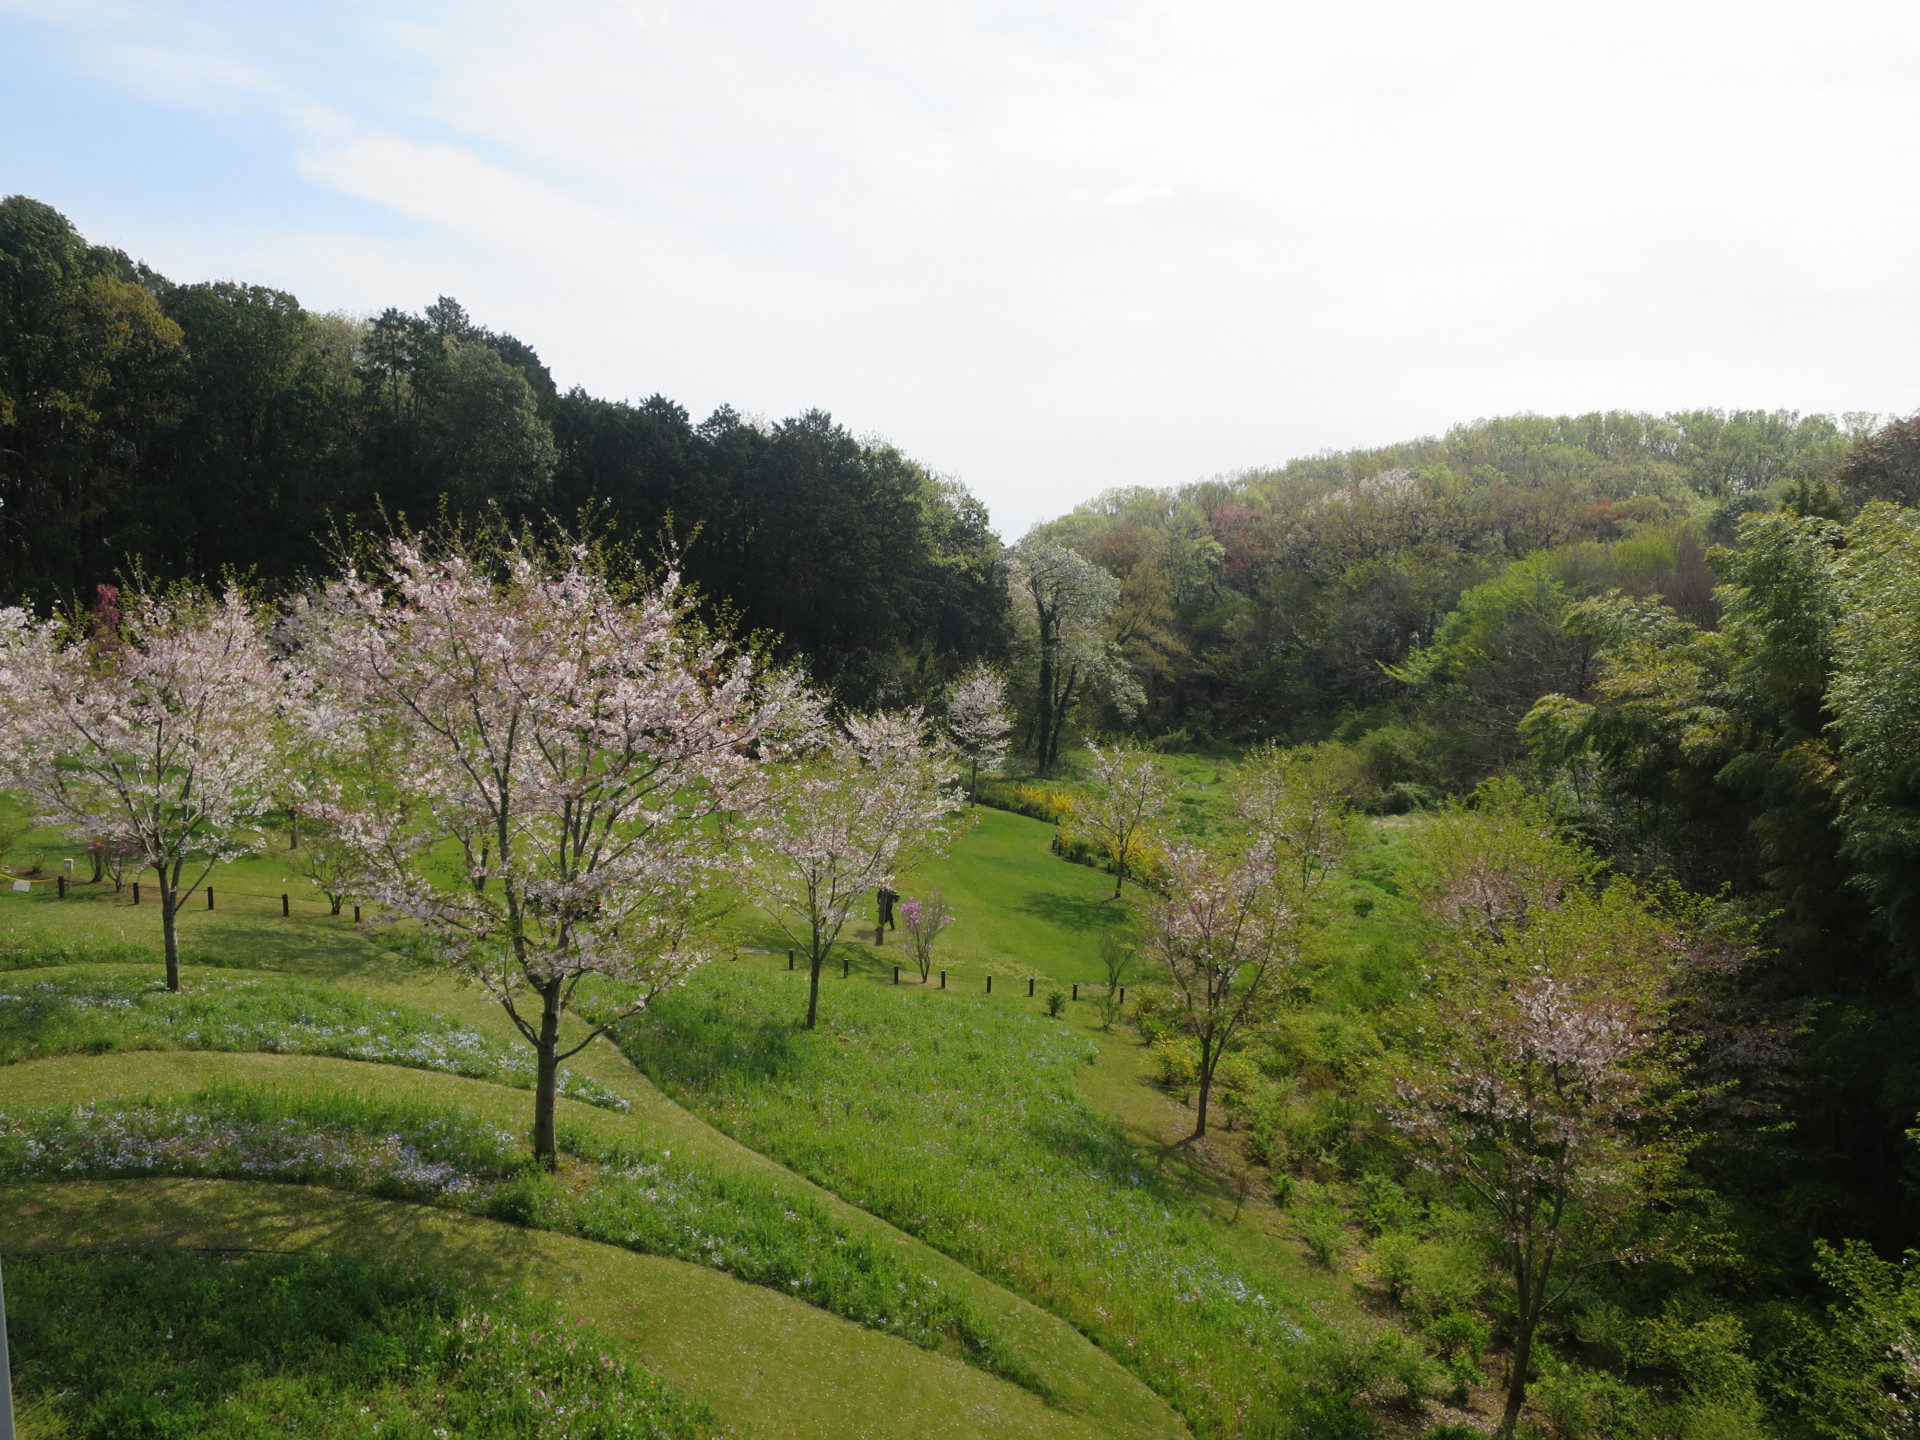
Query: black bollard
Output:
(943,979)
(1076,992)
(356,914)
(846,966)
(136,892)
(1030,987)
(1123,994)
(286,906)
(61,884)
(896,974)
(789,959)
(989,984)
(209,897)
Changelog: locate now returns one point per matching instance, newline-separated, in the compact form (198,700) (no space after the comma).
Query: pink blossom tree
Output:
(1130,798)
(870,800)
(155,730)
(1227,938)
(565,767)
(980,722)
(924,918)
(1549,1085)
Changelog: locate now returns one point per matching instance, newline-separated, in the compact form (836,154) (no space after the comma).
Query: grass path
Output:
(769,1365)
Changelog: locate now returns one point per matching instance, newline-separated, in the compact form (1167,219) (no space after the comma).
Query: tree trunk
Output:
(169,929)
(547,1080)
(1206,1091)
(336,902)
(1043,720)
(1119,877)
(973,789)
(813,994)
(1517,1387)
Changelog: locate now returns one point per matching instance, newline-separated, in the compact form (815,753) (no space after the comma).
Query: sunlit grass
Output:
(958,1122)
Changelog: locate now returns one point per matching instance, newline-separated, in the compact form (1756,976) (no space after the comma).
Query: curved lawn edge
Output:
(1083,1379)
(767,1364)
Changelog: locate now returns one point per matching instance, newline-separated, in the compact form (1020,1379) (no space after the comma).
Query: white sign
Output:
(23,885)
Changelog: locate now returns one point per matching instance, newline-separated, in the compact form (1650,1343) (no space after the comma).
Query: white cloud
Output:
(1055,246)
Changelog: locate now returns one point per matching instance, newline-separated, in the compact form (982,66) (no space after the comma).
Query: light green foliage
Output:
(1856,1369)
(139,1347)
(957,1121)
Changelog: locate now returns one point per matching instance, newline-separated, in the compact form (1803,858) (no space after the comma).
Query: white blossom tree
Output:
(1063,604)
(566,769)
(156,731)
(871,799)
(1549,1085)
(980,722)
(1121,814)
(1226,937)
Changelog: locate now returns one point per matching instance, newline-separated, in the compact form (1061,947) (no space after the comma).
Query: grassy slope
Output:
(1020,912)
(766,1363)
(249,932)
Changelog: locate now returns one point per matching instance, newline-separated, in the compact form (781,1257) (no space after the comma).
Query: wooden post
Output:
(60,882)
(1076,992)
(879,934)
(943,979)
(1123,994)
(846,966)
(209,897)
(286,906)
(136,892)
(789,959)
(989,984)
(896,974)
(1030,987)
(356,914)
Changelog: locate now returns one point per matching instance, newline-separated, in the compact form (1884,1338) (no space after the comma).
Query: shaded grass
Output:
(767,1364)
(92,1011)
(958,1122)
(175,1344)
(639,1198)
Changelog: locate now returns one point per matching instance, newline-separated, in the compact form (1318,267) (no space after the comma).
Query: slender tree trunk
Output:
(1043,721)
(547,1079)
(813,994)
(169,928)
(1517,1388)
(1119,877)
(973,789)
(1206,1091)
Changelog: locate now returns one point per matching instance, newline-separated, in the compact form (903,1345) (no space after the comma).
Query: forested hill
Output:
(196,429)
(1288,602)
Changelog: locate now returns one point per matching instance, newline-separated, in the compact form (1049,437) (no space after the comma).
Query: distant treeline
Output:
(199,429)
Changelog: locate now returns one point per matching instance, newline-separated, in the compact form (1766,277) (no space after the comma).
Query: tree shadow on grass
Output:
(1072,912)
(702,1044)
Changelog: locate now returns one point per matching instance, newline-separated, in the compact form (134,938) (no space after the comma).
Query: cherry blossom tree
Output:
(1221,929)
(923,919)
(1120,816)
(871,799)
(1550,1083)
(980,722)
(156,730)
(566,768)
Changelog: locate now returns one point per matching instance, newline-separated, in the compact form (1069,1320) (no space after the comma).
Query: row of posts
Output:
(846,970)
(286,901)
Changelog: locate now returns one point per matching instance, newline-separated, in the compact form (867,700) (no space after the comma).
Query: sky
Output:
(1047,248)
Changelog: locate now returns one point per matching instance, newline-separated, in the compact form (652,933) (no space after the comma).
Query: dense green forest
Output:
(1687,644)
(207,428)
